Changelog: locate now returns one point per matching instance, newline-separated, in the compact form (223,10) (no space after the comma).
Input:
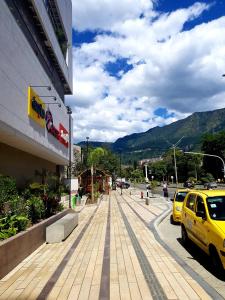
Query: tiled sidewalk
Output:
(117,257)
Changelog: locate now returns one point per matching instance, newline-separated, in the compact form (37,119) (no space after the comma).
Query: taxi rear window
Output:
(180,196)
(216,207)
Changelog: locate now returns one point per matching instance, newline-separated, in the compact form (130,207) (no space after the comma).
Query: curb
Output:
(154,227)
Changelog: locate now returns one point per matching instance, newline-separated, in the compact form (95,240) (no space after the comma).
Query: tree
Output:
(214,144)
(187,166)
(159,169)
(104,159)
(95,156)
(137,175)
(77,165)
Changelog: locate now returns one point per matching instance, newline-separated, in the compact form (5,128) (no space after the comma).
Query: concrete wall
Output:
(17,248)
(22,165)
(19,68)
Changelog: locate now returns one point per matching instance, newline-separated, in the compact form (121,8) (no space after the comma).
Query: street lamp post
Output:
(87,138)
(121,188)
(92,183)
(175,165)
(69,112)
(146,173)
(212,155)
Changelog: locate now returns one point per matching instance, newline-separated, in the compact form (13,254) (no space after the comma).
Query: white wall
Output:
(19,68)
(74,184)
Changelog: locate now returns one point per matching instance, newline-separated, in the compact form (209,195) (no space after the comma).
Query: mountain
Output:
(95,144)
(157,140)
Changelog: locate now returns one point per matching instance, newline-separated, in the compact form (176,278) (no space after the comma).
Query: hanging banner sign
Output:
(36,111)
(64,134)
(36,107)
(59,134)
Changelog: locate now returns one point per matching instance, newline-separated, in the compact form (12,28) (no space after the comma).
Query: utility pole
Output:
(92,183)
(69,112)
(175,162)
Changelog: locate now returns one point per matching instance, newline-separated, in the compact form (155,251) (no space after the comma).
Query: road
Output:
(172,188)
(193,256)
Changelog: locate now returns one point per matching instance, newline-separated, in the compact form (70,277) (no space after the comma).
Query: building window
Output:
(54,17)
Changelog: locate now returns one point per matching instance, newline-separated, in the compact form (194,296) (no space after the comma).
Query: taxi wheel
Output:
(216,261)
(172,220)
(184,236)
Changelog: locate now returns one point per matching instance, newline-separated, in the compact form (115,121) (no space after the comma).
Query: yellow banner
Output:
(36,107)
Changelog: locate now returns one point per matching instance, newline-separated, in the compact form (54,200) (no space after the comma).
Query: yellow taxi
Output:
(178,200)
(203,222)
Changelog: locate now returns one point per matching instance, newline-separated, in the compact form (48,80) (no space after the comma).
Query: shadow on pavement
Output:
(201,257)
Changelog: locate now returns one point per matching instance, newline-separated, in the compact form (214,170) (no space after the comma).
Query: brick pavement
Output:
(116,257)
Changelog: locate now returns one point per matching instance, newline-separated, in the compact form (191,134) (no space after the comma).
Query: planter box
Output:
(18,247)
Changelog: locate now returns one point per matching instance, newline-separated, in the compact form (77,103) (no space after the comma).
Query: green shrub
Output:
(96,195)
(51,201)
(17,205)
(192,179)
(21,223)
(38,188)
(6,233)
(154,184)
(11,225)
(207,178)
(36,209)
(60,207)
(7,190)
(63,189)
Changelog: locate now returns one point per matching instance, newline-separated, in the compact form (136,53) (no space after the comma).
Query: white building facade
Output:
(35,54)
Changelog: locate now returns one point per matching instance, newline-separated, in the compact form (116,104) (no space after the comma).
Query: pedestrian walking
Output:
(80,192)
(165,190)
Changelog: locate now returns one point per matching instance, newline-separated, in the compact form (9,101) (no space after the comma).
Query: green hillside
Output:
(157,140)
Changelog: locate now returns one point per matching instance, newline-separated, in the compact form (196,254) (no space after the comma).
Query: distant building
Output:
(77,150)
(36,52)
(149,160)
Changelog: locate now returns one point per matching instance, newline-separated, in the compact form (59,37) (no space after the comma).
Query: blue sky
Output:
(144,63)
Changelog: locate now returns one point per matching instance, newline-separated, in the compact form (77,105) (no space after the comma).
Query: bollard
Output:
(141,195)
(74,199)
(146,201)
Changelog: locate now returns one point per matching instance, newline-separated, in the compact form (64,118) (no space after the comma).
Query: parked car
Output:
(178,200)
(124,185)
(210,185)
(203,222)
(188,184)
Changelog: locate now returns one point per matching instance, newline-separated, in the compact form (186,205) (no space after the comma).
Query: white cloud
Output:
(177,70)
(102,14)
